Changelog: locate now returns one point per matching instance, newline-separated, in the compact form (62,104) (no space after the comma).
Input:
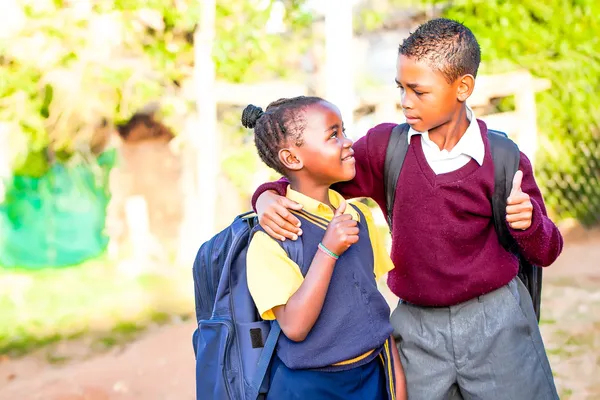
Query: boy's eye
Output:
(418,93)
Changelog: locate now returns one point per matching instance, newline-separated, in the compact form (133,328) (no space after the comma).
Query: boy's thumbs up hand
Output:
(519,209)
(516,186)
(342,231)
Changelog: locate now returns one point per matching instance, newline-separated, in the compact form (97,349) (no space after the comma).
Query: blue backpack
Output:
(232,344)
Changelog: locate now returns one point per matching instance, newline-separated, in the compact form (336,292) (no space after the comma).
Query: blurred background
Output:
(121,152)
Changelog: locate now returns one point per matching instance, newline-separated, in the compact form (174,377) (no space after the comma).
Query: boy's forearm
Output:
(300,313)
(400,379)
(542,242)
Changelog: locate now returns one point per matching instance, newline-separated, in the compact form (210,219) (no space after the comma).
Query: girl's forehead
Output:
(323,110)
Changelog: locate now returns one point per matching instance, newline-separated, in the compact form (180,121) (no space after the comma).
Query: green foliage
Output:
(556,40)
(67,66)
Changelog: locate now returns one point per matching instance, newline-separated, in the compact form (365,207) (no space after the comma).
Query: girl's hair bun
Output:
(250,115)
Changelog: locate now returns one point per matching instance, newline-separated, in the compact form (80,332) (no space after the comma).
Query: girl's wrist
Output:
(328,252)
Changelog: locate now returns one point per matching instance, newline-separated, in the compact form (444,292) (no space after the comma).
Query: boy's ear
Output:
(290,160)
(466,84)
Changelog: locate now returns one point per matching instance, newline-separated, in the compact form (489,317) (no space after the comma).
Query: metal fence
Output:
(572,190)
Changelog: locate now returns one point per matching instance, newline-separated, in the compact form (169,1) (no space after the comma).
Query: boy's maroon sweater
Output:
(444,245)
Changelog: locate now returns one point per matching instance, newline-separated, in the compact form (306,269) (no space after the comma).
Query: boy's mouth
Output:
(410,119)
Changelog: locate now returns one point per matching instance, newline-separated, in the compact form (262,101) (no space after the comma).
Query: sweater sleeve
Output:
(279,186)
(369,153)
(542,242)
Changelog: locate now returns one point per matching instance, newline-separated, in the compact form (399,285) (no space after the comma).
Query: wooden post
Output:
(203,158)
(339,73)
(527,112)
(206,135)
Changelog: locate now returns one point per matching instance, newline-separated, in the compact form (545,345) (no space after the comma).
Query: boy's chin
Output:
(419,126)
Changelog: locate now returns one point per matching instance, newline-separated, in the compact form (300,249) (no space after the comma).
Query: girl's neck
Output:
(315,191)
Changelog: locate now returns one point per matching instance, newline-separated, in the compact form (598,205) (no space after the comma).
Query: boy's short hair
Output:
(446,46)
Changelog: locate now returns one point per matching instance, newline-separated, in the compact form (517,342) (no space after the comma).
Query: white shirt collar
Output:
(471,144)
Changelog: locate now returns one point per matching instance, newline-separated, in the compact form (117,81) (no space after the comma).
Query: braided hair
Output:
(283,121)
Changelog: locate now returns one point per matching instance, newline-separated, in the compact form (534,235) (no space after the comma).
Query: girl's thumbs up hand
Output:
(342,231)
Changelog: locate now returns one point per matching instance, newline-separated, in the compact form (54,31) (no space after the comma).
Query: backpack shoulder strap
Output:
(394,158)
(295,250)
(506,157)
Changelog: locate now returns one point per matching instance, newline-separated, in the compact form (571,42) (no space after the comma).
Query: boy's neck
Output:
(446,136)
(315,191)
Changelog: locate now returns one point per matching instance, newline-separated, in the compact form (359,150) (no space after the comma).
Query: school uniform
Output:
(347,354)
(465,326)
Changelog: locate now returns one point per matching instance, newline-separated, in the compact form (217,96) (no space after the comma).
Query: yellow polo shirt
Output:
(273,277)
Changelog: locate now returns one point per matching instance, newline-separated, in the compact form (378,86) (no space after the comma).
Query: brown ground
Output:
(160,365)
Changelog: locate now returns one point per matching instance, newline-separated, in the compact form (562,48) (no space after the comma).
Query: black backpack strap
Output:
(394,158)
(506,157)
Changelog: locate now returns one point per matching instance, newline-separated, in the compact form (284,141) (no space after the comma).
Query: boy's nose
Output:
(405,101)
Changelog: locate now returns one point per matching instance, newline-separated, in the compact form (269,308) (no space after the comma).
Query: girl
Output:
(336,341)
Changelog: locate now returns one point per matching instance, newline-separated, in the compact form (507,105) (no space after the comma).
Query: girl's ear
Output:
(466,84)
(290,159)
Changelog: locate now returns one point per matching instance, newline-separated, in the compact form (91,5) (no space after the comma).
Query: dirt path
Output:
(159,366)
(571,319)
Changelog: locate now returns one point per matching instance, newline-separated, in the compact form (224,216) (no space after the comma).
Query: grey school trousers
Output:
(488,348)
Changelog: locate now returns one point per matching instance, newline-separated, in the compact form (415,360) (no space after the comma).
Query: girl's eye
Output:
(334,135)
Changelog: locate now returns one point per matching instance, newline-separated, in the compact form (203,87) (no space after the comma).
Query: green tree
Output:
(67,67)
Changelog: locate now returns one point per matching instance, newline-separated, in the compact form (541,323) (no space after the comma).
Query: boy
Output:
(465,324)
(336,341)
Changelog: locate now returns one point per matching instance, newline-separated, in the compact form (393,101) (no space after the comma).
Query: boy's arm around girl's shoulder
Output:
(369,153)
(542,242)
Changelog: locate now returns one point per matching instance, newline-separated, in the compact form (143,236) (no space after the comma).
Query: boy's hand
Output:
(274,217)
(342,231)
(519,209)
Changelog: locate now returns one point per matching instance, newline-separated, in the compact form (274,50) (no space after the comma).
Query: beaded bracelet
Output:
(328,252)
